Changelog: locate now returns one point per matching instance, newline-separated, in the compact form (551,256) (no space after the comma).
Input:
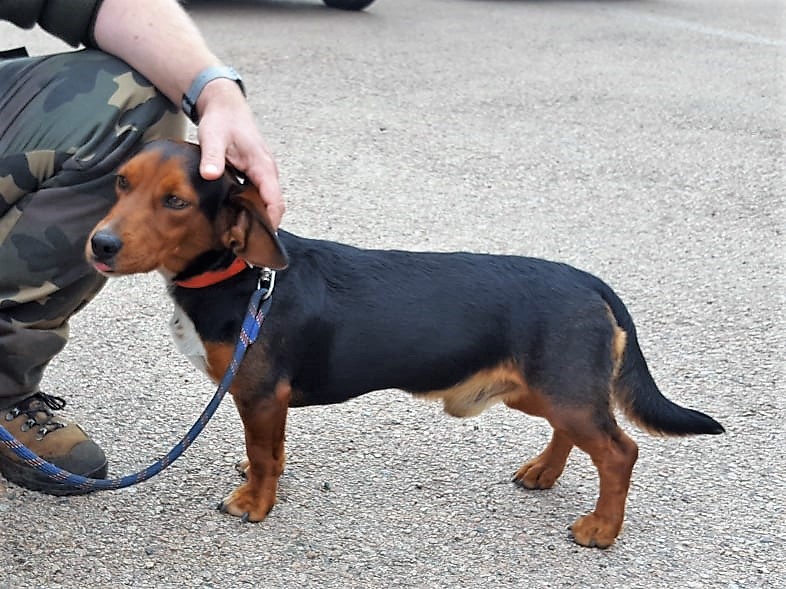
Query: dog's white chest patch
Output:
(186,339)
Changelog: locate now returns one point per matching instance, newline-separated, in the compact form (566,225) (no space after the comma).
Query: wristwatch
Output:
(203,78)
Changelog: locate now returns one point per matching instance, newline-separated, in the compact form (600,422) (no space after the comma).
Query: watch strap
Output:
(204,77)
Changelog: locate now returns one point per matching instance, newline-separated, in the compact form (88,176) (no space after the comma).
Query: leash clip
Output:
(267,280)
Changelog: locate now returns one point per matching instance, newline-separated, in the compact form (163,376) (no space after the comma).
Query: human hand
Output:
(228,132)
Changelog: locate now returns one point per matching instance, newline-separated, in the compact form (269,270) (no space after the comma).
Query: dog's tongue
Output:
(101,267)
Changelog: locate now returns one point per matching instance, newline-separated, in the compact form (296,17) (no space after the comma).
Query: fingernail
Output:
(211,169)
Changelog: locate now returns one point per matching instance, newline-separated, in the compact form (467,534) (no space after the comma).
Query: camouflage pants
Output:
(66,122)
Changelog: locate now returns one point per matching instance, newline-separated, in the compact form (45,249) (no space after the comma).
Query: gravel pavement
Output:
(639,140)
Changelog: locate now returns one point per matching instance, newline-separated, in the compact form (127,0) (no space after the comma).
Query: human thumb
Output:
(212,164)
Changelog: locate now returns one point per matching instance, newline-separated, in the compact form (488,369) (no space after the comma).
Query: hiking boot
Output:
(66,445)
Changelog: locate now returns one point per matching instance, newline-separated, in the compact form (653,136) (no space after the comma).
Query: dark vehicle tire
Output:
(348,4)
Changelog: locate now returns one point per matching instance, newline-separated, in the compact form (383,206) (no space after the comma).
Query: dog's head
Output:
(167,216)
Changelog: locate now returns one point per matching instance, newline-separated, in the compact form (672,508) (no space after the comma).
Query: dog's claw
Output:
(221,507)
(244,518)
(241,466)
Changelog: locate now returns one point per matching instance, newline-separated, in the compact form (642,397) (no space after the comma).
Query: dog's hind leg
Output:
(543,471)
(578,407)
(613,453)
(264,419)
(593,430)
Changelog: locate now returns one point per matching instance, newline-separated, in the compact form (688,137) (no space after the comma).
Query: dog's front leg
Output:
(264,419)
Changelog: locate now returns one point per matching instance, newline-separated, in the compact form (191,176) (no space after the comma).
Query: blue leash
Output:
(258,307)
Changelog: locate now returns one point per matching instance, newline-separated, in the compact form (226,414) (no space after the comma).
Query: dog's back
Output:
(425,322)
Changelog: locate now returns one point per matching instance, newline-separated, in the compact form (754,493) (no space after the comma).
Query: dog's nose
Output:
(105,245)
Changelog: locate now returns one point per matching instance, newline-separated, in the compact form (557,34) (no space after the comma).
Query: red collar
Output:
(213,276)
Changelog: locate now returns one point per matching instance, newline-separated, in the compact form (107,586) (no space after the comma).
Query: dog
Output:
(468,329)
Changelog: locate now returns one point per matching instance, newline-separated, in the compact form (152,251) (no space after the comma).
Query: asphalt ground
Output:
(639,140)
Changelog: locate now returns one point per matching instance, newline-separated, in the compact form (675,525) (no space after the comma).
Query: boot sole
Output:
(35,480)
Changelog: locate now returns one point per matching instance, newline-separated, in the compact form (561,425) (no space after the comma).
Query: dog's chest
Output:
(187,340)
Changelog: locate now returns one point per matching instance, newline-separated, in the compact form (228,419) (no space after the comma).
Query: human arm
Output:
(144,31)
(159,39)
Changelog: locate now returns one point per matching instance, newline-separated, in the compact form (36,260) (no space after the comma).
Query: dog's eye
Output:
(122,182)
(172,201)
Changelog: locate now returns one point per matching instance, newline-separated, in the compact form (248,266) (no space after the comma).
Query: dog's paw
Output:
(250,503)
(538,473)
(594,531)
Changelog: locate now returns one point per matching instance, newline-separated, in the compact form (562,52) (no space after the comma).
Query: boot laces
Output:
(39,410)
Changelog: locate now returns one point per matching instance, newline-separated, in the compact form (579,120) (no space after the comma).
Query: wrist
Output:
(211,83)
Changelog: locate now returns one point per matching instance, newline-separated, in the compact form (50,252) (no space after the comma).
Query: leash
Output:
(258,307)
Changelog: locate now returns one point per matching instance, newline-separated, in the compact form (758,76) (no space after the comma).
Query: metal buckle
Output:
(267,280)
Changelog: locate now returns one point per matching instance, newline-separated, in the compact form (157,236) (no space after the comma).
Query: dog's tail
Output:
(636,393)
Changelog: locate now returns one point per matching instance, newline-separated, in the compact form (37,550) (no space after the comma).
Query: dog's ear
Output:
(245,228)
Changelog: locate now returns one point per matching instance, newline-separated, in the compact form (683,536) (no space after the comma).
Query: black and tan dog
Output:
(469,329)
